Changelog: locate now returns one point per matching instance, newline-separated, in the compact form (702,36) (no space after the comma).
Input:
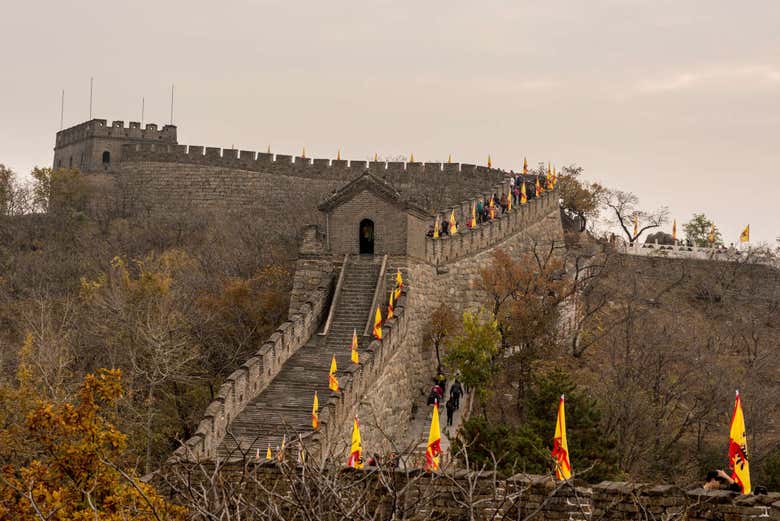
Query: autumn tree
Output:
(473,352)
(442,324)
(701,231)
(630,219)
(64,460)
(578,199)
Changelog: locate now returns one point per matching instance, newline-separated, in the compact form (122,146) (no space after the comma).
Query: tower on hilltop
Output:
(94,146)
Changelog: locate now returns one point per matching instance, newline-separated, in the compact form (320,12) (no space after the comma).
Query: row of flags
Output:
(551,180)
(743,237)
(737,449)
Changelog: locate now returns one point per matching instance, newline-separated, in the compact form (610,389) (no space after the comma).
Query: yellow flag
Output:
(636,225)
(560,451)
(303,152)
(354,347)
(538,187)
(399,284)
(333,383)
(280,453)
(674,230)
(338,155)
(523,195)
(411,160)
(378,324)
(453,225)
(745,235)
(525,166)
(473,215)
(711,235)
(436,228)
(390,310)
(738,451)
(449,159)
(315,407)
(376,157)
(509,200)
(268,455)
(356,450)
(433,449)
(492,208)
(490,162)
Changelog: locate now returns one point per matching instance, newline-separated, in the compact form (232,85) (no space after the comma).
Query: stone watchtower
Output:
(94,146)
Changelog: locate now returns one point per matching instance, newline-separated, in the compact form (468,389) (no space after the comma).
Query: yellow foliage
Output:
(62,462)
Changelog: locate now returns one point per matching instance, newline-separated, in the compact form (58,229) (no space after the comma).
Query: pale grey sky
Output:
(675,100)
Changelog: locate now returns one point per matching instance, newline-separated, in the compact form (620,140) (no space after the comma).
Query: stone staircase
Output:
(284,407)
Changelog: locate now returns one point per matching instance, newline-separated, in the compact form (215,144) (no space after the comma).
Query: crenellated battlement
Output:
(100,128)
(297,165)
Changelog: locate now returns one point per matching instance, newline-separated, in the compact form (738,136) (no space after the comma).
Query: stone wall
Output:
(249,380)
(412,494)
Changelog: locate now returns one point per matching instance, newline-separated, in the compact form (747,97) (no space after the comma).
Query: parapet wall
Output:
(486,235)
(99,128)
(254,375)
(416,495)
(296,165)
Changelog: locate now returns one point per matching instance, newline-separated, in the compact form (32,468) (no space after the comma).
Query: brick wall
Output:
(389,220)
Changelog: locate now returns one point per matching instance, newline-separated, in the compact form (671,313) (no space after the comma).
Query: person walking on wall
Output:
(450,411)
(456,390)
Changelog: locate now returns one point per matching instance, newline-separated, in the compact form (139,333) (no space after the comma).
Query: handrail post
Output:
(336,294)
(380,284)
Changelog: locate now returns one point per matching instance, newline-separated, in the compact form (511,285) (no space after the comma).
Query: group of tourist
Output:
(437,394)
(494,206)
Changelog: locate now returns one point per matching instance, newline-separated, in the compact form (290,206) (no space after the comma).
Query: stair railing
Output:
(336,295)
(378,293)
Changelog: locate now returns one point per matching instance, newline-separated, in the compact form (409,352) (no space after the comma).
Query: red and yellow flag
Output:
(354,347)
(745,235)
(509,200)
(436,228)
(738,451)
(674,230)
(473,215)
(356,450)
(523,195)
(560,451)
(636,225)
(333,383)
(490,162)
(315,407)
(453,225)
(554,178)
(280,451)
(399,284)
(711,235)
(378,324)
(548,178)
(492,207)
(433,450)
(525,166)
(390,306)
(538,187)
(268,455)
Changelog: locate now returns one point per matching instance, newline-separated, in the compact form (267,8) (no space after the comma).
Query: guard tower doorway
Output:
(366,237)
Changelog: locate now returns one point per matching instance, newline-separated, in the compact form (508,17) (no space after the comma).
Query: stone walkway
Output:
(421,424)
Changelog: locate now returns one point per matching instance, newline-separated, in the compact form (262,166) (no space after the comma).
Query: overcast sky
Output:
(677,101)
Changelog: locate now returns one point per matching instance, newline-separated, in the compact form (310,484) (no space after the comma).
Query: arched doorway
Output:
(366,237)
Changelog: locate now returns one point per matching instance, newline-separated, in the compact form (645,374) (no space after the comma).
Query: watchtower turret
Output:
(94,146)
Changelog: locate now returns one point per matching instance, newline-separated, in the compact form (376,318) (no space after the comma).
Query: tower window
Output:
(106,157)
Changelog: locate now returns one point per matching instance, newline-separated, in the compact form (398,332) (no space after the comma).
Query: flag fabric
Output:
(268,455)
(433,450)
(356,450)
(490,162)
(436,228)
(473,215)
(554,178)
(525,166)
(453,225)
(333,383)
(674,230)
(636,225)
(523,195)
(354,346)
(411,159)
(548,178)
(378,324)
(745,235)
(390,306)
(449,158)
(560,451)
(492,206)
(738,451)
(711,235)
(509,200)
(315,407)
(399,284)
(538,187)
